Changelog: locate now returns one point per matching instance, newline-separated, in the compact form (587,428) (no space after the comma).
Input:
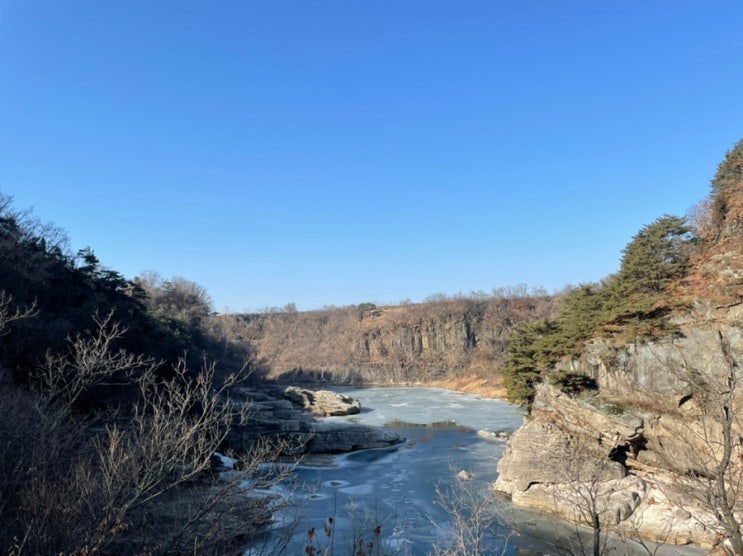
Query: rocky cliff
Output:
(645,449)
(652,446)
(382,345)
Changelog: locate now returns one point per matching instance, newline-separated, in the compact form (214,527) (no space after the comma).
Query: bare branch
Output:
(90,361)
(10,313)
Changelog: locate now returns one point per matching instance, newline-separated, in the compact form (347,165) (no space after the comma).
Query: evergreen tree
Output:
(528,357)
(632,301)
(656,256)
(582,313)
(730,170)
(729,175)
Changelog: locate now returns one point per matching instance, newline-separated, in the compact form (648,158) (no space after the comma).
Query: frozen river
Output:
(446,433)
(397,487)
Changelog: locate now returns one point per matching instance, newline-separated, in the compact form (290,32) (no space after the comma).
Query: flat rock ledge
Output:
(274,417)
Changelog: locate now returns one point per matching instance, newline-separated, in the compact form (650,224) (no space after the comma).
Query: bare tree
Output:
(90,360)
(575,470)
(475,514)
(177,298)
(711,426)
(584,495)
(137,481)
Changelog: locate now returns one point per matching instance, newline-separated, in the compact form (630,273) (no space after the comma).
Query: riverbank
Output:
(486,387)
(491,387)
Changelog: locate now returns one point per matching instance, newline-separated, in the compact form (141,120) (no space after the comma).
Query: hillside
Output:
(458,339)
(113,401)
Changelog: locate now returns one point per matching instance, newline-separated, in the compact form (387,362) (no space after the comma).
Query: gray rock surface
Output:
(559,460)
(274,418)
(322,403)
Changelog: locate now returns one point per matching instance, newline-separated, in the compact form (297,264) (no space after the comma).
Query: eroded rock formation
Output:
(646,446)
(274,418)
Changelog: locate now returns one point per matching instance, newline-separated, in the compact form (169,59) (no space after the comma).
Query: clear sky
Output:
(338,152)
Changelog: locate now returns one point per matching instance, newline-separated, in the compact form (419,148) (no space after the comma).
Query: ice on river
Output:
(395,487)
(425,406)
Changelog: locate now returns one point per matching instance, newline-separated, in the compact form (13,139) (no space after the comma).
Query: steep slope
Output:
(409,343)
(655,450)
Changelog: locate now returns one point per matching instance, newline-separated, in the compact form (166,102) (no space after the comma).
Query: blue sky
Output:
(339,152)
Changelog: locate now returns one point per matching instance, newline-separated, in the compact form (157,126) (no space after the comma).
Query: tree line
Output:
(114,397)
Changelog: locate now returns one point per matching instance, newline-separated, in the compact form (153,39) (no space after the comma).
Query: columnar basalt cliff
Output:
(387,345)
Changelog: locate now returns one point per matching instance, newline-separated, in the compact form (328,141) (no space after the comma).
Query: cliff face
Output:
(652,431)
(664,425)
(658,373)
(572,458)
(410,343)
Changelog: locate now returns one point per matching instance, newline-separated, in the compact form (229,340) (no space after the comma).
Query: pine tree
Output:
(730,170)
(527,359)
(656,256)
(727,187)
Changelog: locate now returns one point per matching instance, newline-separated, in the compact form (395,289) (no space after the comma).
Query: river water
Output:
(447,433)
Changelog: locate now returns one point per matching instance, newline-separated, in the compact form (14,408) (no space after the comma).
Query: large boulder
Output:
(322,403)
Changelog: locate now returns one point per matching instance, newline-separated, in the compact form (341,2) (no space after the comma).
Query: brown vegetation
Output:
(130,481)
(487,387)
(458,343)
(717,265)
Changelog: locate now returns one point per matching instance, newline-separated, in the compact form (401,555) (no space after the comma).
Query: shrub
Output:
(572,383)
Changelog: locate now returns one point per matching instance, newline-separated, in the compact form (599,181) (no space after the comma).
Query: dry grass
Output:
(485,387)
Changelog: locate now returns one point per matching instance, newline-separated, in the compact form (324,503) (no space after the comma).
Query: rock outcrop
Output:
(322,403)
(333,437)
(640,444)
(571,454)
(274,418)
